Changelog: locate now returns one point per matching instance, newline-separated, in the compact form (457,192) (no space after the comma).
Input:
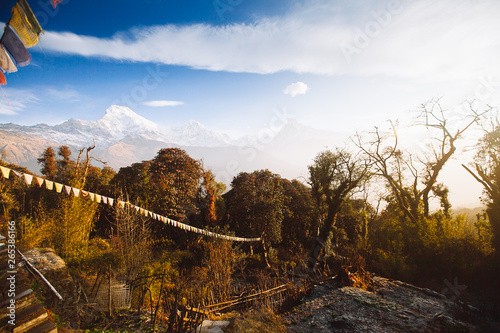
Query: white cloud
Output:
(297,88)
(420,39)
(66,94)
(16,100)
(162,103)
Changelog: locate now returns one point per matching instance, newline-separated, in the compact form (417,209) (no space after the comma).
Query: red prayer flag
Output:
(55,2)
(3,80)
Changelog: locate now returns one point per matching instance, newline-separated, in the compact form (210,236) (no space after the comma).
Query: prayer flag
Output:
(39,181)
(6,63)
(92,196)
(5,172)
(110,201)
(31,17)
(104,200)
(28,179)
(55,2)
(15,47)
(76,192)
(98,198)
(84,193)
(19,22)
(3,79)
(17,173)
(49,185)
(67,189)
(59,187)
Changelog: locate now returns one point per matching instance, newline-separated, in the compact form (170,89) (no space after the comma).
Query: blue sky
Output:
(342,65)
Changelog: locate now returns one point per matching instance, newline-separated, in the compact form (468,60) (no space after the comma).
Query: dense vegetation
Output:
(302,224)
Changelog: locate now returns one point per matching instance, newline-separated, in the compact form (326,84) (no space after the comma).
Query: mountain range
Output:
(123,137)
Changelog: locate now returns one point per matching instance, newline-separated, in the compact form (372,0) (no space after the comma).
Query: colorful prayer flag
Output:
(31,17)
(15,47)
(59,187)
(67,189)
(49,185)
(28,179)
(5,172)
(19,22)
(3,80)
(39,181)
(6,63)
(55,2)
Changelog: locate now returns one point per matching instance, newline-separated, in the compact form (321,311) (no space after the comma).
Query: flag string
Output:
(69,190)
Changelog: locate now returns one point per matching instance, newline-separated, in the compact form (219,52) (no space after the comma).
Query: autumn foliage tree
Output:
(333,177)
(255,206)
(168,184)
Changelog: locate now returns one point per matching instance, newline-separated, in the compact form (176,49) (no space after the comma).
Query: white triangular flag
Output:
(28,179)
(67,189)
(5,172)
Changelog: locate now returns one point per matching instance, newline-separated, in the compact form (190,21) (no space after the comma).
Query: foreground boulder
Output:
(392,306)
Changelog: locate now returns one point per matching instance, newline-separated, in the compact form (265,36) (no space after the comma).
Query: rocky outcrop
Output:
(392,306)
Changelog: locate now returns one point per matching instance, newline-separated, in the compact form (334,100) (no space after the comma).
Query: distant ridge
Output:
(123,137)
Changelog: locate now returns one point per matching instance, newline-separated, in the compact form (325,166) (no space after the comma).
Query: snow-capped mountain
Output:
(118,123)
(123,137)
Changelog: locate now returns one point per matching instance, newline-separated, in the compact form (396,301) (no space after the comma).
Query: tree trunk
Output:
(264,247)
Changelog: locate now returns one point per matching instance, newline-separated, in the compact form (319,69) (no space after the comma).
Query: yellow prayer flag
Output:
(23,28)
(31,17)
(59,187)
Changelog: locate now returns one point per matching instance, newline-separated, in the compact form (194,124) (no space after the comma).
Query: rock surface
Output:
(392,306)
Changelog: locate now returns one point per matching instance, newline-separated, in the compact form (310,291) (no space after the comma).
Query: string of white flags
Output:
(61,188)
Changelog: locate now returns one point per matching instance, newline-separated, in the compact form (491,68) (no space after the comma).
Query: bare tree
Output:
(412,179)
